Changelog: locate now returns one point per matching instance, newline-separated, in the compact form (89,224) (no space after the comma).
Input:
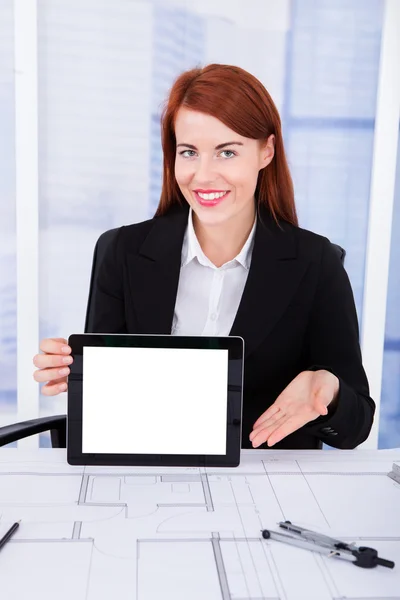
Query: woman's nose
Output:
(205,172)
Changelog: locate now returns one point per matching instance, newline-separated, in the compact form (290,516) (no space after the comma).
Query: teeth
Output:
(211,196)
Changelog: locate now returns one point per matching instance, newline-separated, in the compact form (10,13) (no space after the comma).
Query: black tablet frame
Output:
(234,346)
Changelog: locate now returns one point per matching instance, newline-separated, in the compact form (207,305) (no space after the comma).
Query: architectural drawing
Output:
(195,534)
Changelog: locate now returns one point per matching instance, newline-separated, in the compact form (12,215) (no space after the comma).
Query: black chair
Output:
(57,424)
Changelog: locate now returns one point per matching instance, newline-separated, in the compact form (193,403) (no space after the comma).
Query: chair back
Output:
(98,255)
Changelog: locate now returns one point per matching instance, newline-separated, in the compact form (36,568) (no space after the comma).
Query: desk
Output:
(93,533)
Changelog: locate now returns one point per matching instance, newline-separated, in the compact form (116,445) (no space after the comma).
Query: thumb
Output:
(321,408)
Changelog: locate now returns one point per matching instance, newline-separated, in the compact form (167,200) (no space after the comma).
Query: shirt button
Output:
(213,316)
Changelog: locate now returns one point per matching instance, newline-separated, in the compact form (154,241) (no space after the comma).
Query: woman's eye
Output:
(192,153)
(186,155)
(230,152)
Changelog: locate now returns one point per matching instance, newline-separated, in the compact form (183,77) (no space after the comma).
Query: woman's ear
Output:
(267,151)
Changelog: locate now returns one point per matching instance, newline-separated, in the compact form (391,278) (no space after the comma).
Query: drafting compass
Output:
(361,556)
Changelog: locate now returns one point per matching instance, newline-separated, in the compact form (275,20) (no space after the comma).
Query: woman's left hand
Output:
(305,398)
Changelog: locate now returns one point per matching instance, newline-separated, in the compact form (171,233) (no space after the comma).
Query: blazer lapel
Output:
(274,275)
(154,273)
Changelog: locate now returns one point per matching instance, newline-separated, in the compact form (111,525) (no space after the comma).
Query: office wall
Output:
(103,72)
(8,290)
(389,431)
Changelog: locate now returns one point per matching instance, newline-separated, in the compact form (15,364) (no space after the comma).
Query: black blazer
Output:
(297,313)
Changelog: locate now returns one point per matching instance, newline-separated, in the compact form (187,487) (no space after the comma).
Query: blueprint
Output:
(139,533)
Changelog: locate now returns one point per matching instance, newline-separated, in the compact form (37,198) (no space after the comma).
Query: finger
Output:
(55,387)
(45,361)
(267,423)
(50,374)
(290,425)
(55,346)
(270,412)
(285,427)
(305,413)
(280,403)
(264,433)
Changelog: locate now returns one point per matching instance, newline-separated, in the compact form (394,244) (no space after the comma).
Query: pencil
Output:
(9,533)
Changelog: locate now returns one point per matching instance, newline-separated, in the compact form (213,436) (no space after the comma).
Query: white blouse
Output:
(208,296)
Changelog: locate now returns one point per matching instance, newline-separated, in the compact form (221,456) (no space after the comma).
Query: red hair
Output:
(242,103)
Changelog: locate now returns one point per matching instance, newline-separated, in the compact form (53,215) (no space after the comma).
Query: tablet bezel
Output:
(235,347)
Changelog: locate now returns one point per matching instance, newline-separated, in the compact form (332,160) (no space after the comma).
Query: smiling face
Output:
(216,168)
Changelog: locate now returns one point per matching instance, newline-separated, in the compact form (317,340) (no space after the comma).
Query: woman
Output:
(224,255)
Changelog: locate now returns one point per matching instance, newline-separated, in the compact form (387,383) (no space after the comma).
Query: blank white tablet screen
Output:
(154,401)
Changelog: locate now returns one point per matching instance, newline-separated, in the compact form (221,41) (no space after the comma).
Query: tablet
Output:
(155,400)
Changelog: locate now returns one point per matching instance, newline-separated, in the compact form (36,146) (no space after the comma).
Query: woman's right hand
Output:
(53,365)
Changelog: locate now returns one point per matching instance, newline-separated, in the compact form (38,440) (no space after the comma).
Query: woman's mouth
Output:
(210,197)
